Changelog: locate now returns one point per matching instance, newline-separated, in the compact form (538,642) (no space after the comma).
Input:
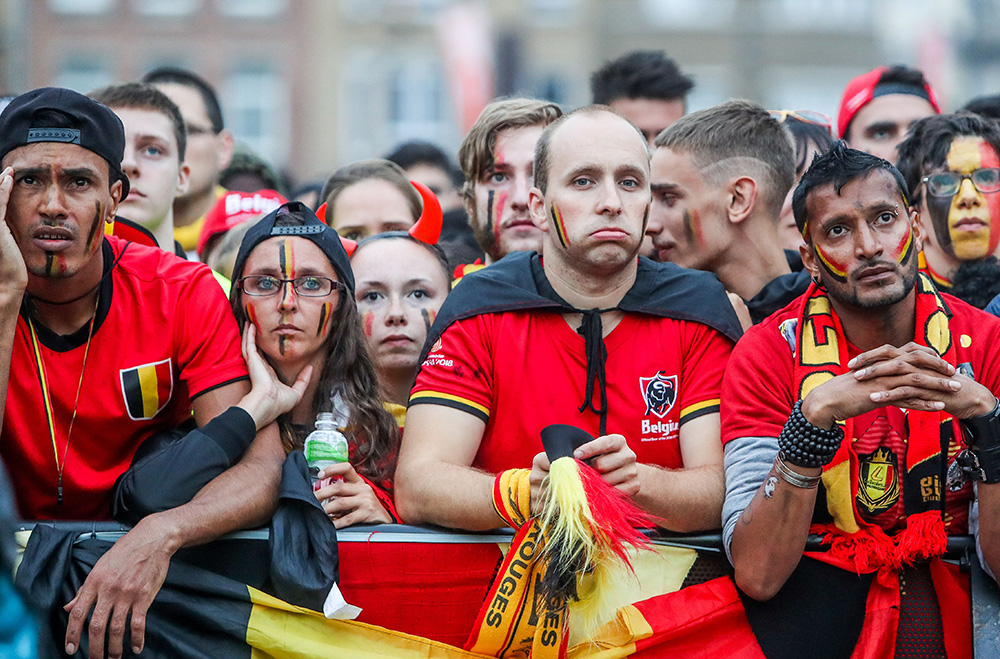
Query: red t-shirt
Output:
(521,371)
(164,334)
(758,398)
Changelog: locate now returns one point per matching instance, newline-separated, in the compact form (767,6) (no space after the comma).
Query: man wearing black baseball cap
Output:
(108,342)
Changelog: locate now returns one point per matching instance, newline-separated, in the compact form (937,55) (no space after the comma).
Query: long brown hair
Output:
(373,433)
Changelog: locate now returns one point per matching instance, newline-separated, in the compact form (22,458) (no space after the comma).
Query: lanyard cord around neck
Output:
(47,398)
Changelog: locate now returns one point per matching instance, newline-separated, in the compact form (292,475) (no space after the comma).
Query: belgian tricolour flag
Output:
(147,388)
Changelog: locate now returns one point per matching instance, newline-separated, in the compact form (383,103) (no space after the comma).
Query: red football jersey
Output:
(164,334)
(521,371)
(758,398)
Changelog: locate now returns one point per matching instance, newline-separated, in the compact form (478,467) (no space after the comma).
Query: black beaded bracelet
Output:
(805,445)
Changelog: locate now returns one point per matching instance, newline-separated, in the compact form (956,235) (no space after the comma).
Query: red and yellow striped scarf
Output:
(513,622)
(854,543)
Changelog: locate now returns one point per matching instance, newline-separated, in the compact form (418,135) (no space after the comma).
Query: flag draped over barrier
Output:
(429,592)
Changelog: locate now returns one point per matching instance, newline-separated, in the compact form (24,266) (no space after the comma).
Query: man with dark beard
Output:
(497,160)
(874,354)
(951,164)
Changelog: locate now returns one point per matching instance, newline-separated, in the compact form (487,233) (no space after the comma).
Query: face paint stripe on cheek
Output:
(560,227)
(489,211)
(98,220)
(905,247)
(498,208)
(837,270)
(699,234)
(369,322)
(252,316)
(428,317)
(324,317)
(688,227)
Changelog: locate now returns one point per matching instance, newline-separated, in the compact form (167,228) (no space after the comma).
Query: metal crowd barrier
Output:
(961,550)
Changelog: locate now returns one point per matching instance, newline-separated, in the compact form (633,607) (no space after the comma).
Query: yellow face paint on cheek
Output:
(836,269)
(559,226)
(324,318)
(905,247)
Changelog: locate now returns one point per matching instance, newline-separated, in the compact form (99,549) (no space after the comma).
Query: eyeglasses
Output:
(945,184)
(806,116)
(265,285)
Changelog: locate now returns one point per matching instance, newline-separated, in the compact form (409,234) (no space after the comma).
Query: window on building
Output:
(83,73)
(252,8)
(166,8)
(256,106)
(81,6)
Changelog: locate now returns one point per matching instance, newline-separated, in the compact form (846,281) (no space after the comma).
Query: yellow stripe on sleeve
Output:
(698,407)
(429,396)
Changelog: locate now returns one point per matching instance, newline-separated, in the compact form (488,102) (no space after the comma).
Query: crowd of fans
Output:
(770,323)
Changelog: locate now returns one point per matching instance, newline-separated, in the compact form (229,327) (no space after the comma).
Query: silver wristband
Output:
(792,477)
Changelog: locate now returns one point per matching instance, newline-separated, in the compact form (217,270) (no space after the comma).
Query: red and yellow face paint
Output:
(252,316)
(693,229)
(325,312)
(428,315)
(560,227)
(369,322)
(95,236)
(836,269)
(904,250)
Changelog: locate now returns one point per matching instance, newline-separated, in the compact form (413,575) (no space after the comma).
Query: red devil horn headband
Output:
(349,245)
(428,227)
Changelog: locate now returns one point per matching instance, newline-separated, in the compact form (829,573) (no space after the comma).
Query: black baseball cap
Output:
(311,229)
(81,121)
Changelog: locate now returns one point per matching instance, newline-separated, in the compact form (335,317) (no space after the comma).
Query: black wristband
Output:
(981,460)
(805,445)
(983,431)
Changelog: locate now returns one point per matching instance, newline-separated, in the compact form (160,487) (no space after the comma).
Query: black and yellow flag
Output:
(147,388)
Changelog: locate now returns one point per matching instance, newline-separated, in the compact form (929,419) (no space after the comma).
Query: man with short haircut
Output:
(842,416)
(951,164)
(155,140)
(497,159)
(719,177)
(106,342)
(630,350)
(647,87)
(877,109)
(209,150)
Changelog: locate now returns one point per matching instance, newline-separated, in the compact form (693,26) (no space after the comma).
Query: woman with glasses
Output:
(293,294)
(951,166)
(293,297)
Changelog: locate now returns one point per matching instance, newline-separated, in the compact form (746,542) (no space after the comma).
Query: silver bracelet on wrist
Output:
(792,477)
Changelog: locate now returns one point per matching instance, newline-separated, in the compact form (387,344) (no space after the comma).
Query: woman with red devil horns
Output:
(402,281)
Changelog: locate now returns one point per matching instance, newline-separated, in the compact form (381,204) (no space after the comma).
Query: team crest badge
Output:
(878,481)
(437,346)
(659,392)
(147,388)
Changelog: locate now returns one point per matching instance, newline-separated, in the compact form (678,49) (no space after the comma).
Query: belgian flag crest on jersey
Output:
(147,388)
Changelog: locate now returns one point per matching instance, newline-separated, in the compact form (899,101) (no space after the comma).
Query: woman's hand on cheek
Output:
(268,398)
(351,500)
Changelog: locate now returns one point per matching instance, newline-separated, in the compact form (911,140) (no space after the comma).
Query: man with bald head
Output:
(595,336)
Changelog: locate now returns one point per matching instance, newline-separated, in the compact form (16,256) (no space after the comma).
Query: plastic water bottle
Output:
(326,445)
